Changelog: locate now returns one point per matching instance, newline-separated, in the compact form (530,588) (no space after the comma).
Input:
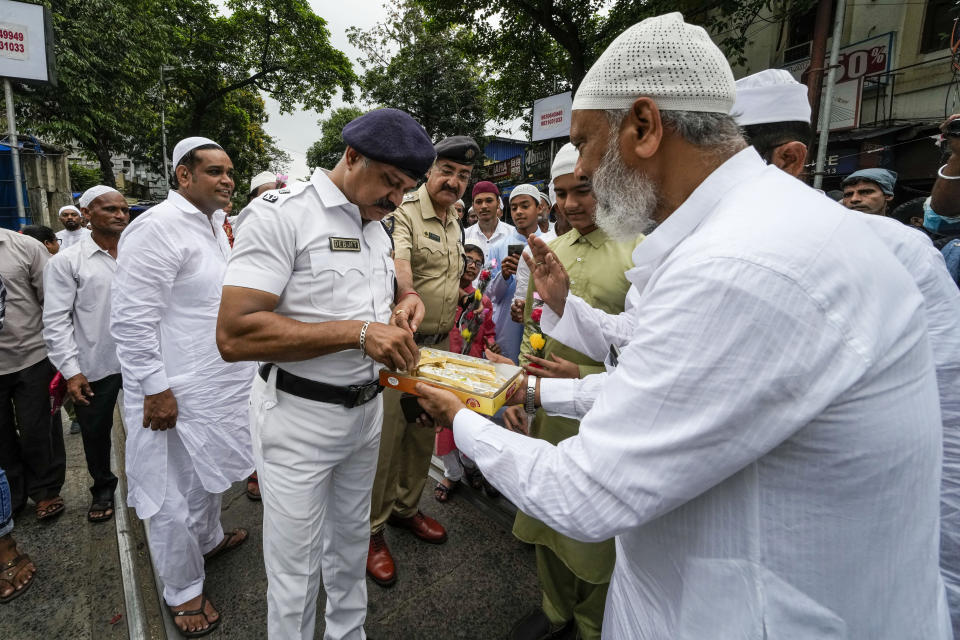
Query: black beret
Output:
(460,149)
(393,137)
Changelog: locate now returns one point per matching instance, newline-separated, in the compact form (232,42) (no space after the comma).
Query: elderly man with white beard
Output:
(767,450)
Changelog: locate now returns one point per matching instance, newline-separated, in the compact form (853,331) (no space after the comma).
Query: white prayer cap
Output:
(460,202)
(69,207)
(553,194)
(545,197)
(262,178)
(664,58)
(525,190)
(93,193)
(187,145)
(565,161)
(771,95)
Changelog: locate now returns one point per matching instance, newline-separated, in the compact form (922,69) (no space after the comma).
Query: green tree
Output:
(327,151)
(412,64)
(105,69)
(82,178)
(535,48)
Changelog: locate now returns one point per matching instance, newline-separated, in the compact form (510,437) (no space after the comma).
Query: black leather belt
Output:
(350,396)
(429,340)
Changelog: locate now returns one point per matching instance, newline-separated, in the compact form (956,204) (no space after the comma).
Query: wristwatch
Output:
(529,404)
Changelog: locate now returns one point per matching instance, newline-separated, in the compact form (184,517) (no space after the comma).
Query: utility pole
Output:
(828,97)
(818,55)
(14,149)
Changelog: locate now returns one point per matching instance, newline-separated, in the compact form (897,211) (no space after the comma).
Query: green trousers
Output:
(566,597)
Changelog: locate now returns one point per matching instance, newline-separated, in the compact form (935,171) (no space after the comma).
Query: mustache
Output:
(385,203)
(450,189)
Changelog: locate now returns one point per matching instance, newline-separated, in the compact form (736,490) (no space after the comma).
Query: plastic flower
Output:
(536,296)
(537,341)
(536,314)
(485,274)
(477,295)
(465,334)
(493,263)
(469,315)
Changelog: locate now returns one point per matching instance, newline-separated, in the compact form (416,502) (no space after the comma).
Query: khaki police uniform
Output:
(315,459)
(435,253)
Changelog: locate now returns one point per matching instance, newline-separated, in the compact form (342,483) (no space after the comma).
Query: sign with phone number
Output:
(13,41)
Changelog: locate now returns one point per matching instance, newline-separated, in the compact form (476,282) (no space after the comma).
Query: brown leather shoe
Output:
(424,527)
(380,565)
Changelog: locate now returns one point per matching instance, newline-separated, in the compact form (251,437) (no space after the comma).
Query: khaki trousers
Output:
(403,463)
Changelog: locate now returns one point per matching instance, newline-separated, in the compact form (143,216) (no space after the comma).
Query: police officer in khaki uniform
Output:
(428,255)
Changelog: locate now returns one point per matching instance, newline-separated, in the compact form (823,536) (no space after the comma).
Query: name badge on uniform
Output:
(432,236)
(344,244)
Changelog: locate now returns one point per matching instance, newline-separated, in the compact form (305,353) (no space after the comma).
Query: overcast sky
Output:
(295,132)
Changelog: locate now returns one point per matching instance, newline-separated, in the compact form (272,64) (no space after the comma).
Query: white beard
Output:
(626,200)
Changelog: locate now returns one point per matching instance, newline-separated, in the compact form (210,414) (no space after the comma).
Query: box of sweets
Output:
(483,386)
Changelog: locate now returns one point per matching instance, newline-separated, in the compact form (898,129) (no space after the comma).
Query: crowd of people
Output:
(739,410)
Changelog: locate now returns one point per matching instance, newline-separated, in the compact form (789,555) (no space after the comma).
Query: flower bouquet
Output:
(537,341)
(473,314)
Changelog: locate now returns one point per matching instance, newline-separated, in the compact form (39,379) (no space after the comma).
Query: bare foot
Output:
(196,622)
(14,577)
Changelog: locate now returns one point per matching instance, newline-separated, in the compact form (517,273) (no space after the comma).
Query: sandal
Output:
(49,508)
(442,492)
(489,489)
(230,541)
(253,487)
(10,571)
(196,612)
(103,506)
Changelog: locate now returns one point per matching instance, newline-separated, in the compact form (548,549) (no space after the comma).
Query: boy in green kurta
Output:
(574,575)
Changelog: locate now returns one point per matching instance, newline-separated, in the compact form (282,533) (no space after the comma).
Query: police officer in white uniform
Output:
(308,292)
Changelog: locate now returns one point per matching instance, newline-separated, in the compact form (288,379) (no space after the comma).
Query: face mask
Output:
(938,224)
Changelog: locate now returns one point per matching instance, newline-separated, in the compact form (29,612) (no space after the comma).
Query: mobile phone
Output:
(514,249)
(953,128)
(410,407)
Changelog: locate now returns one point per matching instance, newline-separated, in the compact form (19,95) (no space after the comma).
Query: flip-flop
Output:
(442,492)
(197,612)
(10,571)
(102,506)
(227,544)
(47,509)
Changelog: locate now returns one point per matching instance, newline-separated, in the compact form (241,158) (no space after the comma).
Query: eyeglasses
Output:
(476,263)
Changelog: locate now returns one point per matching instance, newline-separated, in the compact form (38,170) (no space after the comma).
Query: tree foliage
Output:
(82,178)
(109,98)
(412,64)
(328,150)
(535,48)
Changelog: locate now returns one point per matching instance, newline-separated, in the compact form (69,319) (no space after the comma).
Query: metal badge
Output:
(270,197)
(432,236)
(344,244)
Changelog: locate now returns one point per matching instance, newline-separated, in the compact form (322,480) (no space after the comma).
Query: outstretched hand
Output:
(549,277)
(439,403)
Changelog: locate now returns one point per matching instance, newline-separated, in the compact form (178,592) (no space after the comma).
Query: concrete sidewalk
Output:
(473,587)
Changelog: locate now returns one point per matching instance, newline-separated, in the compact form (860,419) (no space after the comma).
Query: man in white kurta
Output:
(73,229)
(767,451)
(185,408)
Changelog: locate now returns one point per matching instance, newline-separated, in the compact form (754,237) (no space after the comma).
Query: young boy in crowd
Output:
(475,329)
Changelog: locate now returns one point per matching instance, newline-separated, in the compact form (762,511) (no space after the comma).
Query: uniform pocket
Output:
(429,258)
(336,278)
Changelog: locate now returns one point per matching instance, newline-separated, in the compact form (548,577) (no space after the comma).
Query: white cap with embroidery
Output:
(769,96)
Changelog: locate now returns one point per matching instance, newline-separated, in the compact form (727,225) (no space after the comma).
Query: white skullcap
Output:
(565,161)
(770,96)
(187,145)
(69,207)
(93,193)
(664,58)
(552,191)
(262,178)
(545,197)
(525,190)
(460,202)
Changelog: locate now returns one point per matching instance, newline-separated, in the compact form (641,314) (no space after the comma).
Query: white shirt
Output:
(523,271)
(76,311)
(767,452)
(165,300)
(299,247)
(70,238)
(473,235)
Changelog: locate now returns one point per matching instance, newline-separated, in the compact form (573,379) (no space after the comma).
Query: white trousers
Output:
(315,463)
(454,463)
(186,527)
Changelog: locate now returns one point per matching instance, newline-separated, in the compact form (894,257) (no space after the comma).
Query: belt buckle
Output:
(362,394)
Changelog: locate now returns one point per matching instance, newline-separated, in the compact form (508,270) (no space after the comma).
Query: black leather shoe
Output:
(537,626)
